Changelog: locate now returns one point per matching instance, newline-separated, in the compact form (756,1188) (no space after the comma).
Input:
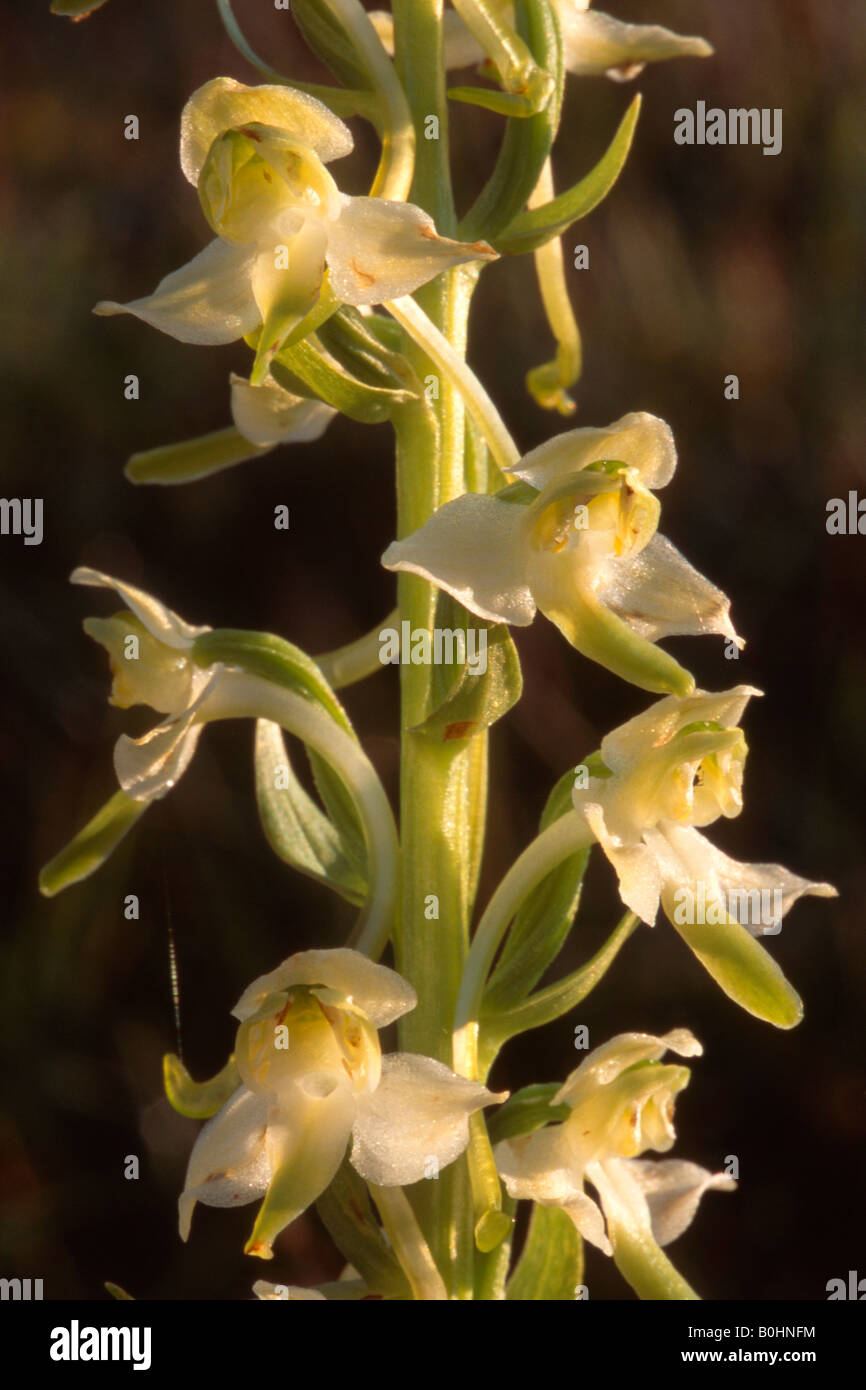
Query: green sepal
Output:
(542,922)
(198,1100)
(532,229)
(296,829)
(599,634)
(462,704)
(76,9)
(273,659)
(550,1268)
(527,139)
(92,845)
(526,1110)
(347,1212)
(193,458)
(744,970)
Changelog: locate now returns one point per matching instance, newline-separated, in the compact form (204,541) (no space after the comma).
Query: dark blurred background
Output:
(703,262)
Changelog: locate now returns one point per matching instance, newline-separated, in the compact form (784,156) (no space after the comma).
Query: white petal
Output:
(160,621)
(635,865)
(472,548)
(625,747)
(380,993)
(605,1063)
(419,1112)
(148,767)
(289,269)
(595,43)
(378,250)
(228,1166)
(659,594)
(285,1293)
(673,1190)
(209,300)
(640,440)
(756,895)
(540,1167)
(267,415)
(223,103)
(589,1221)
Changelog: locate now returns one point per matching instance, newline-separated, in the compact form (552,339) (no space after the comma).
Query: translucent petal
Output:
(268,415)
(639,440)
(595,43)
(380,250)
(209,300)
(472,548)
(224,103)
(605,1063)
(540,1167)
(659,594)
(418,1113)
(160,621)
(148,767)
(635,865)
(673,1190)
(380,993)
(289,269)
(229,1165)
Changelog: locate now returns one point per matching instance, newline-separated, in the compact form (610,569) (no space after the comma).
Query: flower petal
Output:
(147,768)
(419,1111)
(160,621)
(268,415)
(673,1190)
(380,993)
(639,440)
(209,300)
(638,1256)
(595,43)
(659,594)
(626,746)
(635,865)
(472,548)
(223,104)
(378,250)
(229,1164)
(540,1167)
(605,1063)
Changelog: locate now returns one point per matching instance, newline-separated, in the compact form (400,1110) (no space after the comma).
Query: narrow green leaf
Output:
(532,229)
(526,1110)
(92,845)
(347,1212)
(198,1100)
(297,830)
(341,810)
(462,703)
(194,458)
(542,922)
(745,971)
(551,1265)
(527,140)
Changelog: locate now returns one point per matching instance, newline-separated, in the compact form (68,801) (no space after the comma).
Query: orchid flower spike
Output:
(593,44)
(577,538)
(314,1082)
(257,156)
(621,1101)
(674,768)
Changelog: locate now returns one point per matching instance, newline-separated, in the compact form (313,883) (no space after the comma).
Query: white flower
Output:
(678,766)
(315,1081)
(621,1100)
(594,44)
(582,547)
(257,156)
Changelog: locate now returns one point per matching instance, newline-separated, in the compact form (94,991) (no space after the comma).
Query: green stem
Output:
(408,1243)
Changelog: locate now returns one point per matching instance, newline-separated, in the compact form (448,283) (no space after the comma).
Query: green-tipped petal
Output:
(92,845)
(744,970)
(193,458)
(198,1100)
(599,634)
